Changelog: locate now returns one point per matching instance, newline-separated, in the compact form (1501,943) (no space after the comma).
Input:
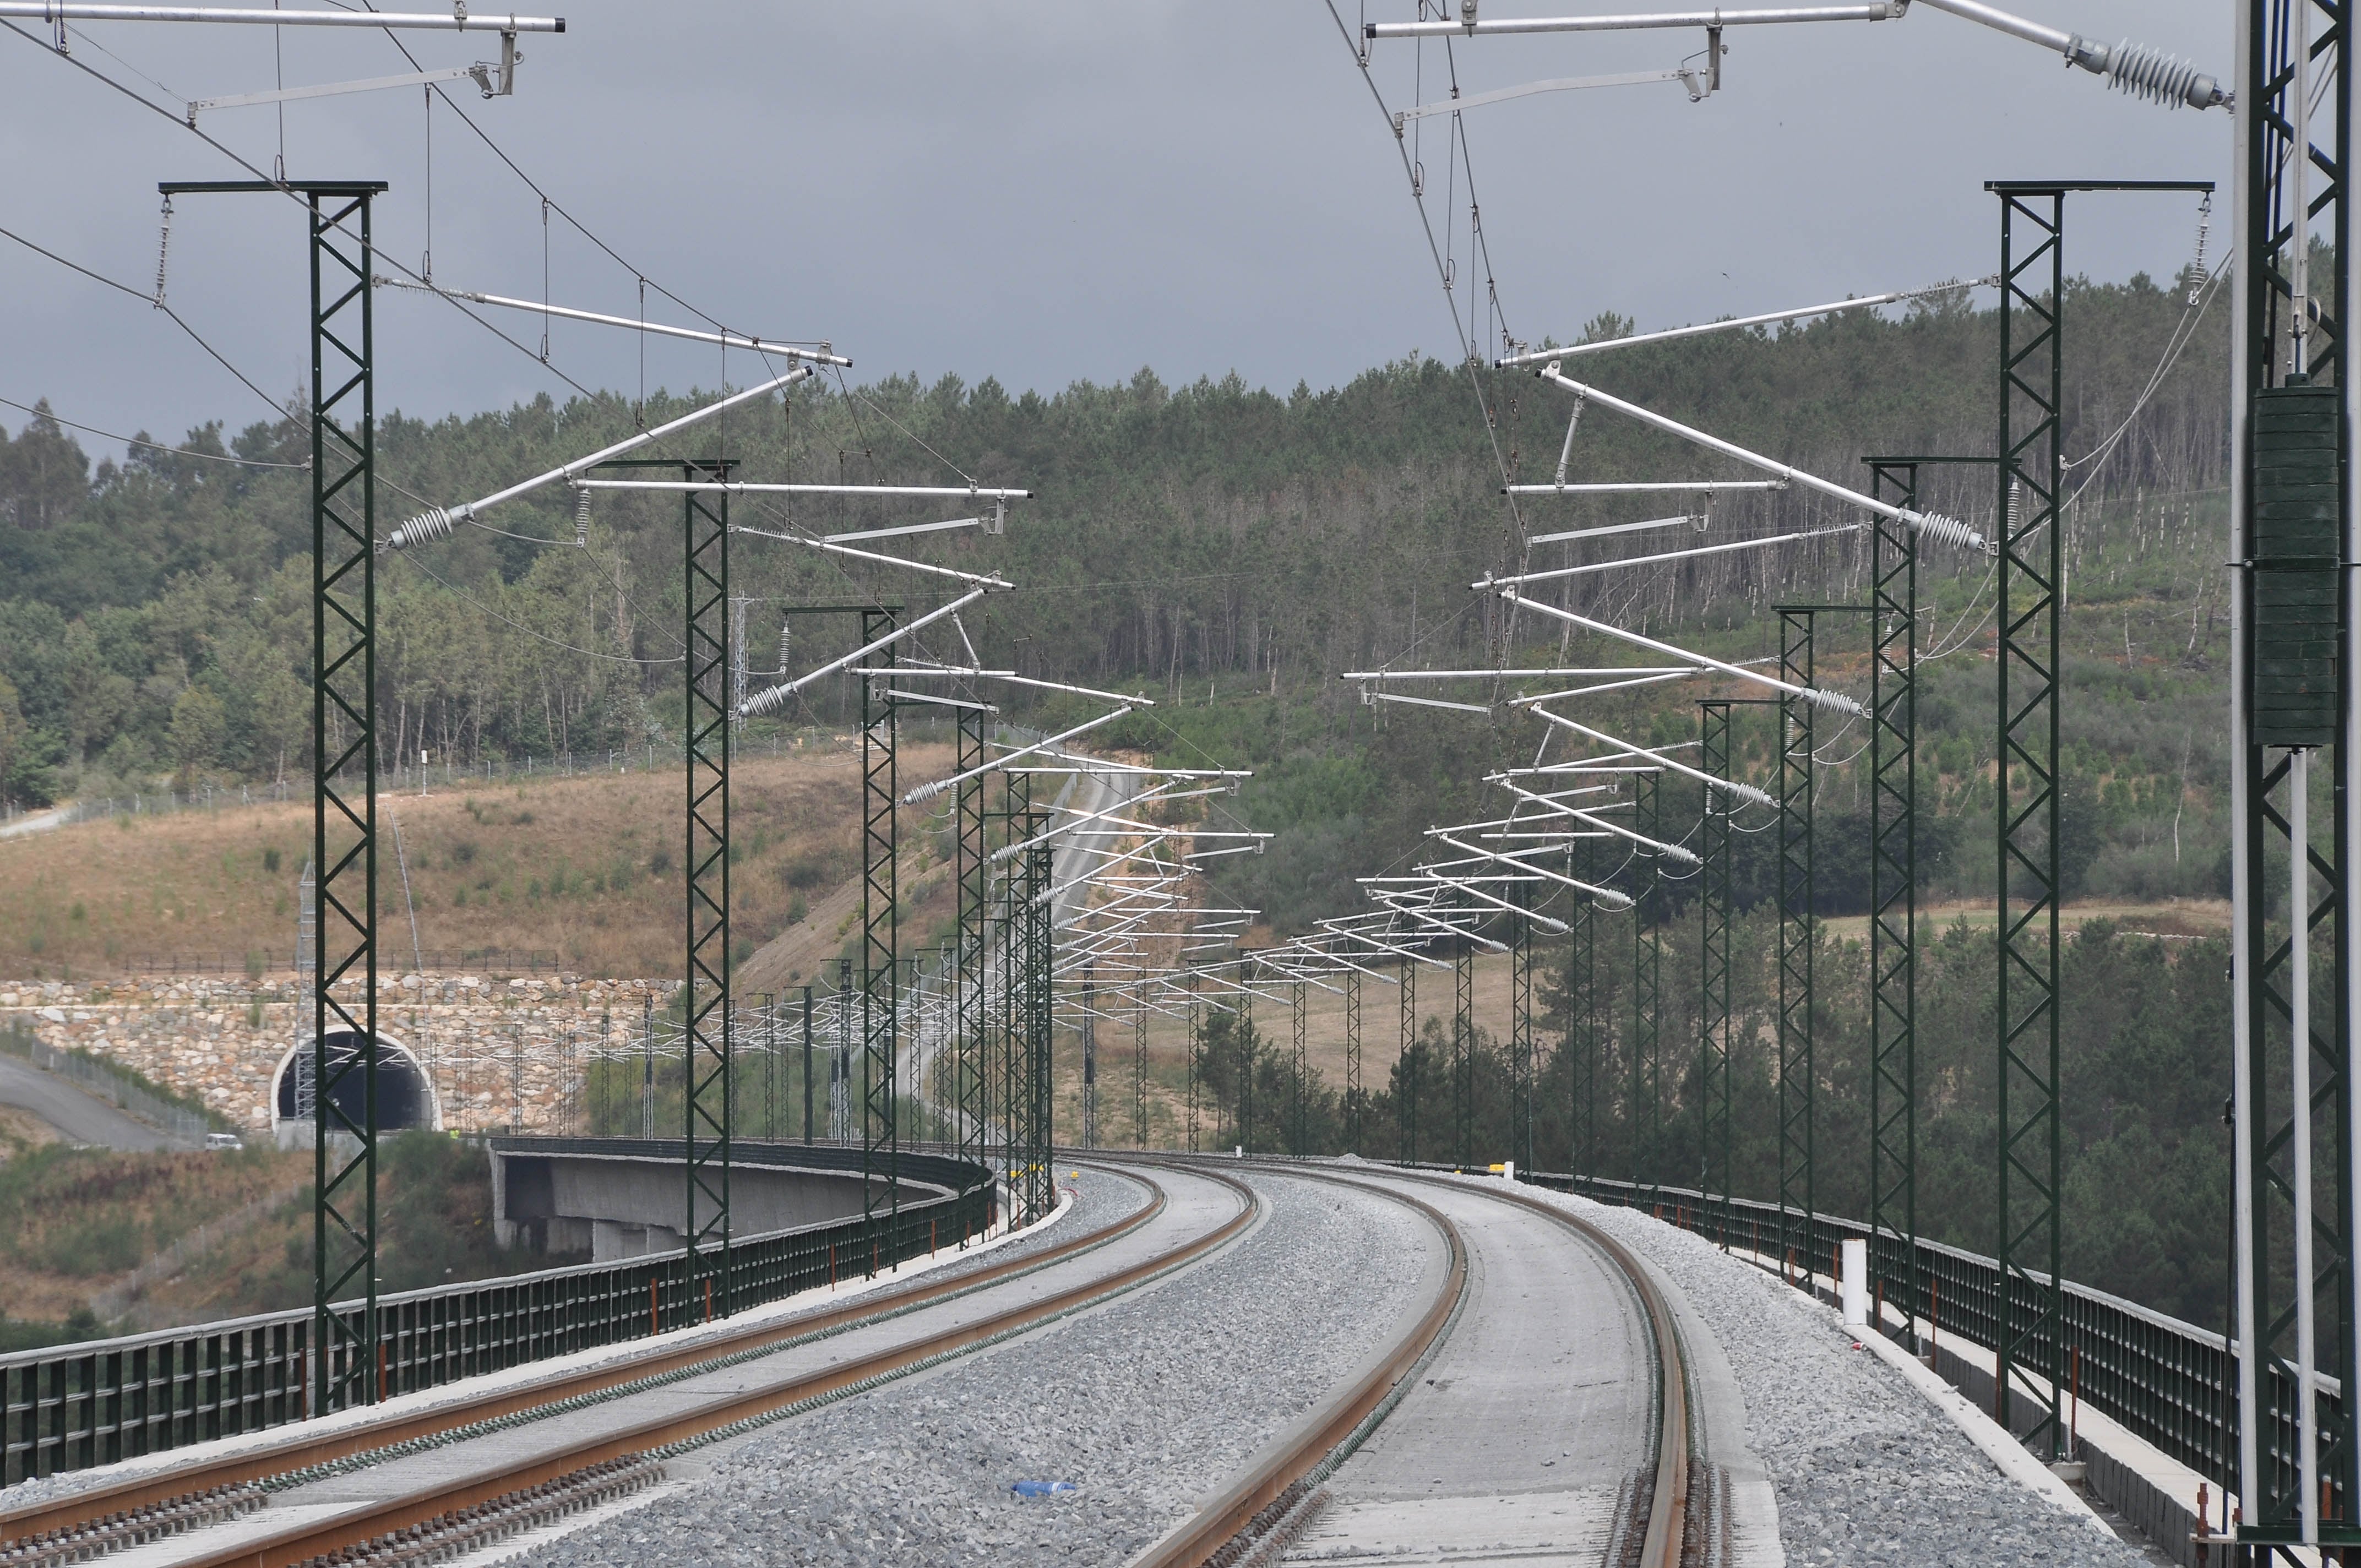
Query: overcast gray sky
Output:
(1045,193)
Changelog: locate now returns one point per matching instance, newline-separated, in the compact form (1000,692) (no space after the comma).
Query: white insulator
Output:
(1752,797)
(2147,73)
(1949,529)
(2160,79)
(1827,701)
(424,529)
(582,519)
(1608,899)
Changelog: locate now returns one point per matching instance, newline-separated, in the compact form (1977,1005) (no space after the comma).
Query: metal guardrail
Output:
(76,1406)
(2166,1381)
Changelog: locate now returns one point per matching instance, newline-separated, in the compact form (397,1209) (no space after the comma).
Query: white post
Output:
(1855,1283)
(2307,1348)
(2243,914)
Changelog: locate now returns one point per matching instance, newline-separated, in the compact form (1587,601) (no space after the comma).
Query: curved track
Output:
(1539,1409)
(1542,1411)
(403,1489)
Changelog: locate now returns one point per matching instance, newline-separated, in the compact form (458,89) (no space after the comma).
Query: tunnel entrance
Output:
(404,1098)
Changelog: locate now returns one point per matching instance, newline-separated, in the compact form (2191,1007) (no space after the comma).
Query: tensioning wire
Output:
(411,557)
(153,446)
(149,299)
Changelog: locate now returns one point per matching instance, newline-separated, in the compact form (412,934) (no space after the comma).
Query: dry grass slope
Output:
(587,868)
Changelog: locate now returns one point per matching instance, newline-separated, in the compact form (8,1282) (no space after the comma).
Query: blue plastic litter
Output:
(1041,1488)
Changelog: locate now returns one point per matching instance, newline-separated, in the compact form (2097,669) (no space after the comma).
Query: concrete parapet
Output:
(620,1205)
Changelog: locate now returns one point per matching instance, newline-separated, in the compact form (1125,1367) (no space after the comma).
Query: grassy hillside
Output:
(75,1221)
(586,867)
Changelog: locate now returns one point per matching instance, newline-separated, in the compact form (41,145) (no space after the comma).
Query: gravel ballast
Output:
(1865,1469)
(1148,1404)
(1098,1200)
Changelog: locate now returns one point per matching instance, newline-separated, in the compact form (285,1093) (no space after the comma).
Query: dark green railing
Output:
(75,1406)
(2165,1381)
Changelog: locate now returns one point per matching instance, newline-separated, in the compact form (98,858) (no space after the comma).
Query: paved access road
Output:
(81,1118)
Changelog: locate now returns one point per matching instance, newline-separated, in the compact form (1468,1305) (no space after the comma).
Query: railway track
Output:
(519,1457)
(1252,1522)
(434,1485)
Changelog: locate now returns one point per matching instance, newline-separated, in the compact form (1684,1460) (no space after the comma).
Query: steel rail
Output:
(1202,1539)
(421,1506)
(1665,1543)
(172,1483)
(301,1543)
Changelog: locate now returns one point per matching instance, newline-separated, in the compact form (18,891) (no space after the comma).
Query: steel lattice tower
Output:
(1798,937)
(1647,988)
(2032,1330)
(346,1368)
(343,706)
(1355,1097)
(1894,892)
(1462,1054)
(1407,1065)
(881,1141)
(1582,1031)
(1090,1033)
(2032,290)
(1520,1031)
(1298,1073)
(1196,1058)
(1247,1052)
(2294,689)
(972,1098)
(1014,950)
(708,1118)
(1041,922)
(1713,1008)
(1139,1070)
(345,1361)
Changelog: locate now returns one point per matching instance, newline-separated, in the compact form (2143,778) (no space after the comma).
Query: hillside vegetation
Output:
(74,1221)
(1229,551)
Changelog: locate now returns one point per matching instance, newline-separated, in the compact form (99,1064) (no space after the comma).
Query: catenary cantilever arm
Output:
(2133,68)
(1469,26)
(452,21)
(1733,324)
(1950,531)
(436,522)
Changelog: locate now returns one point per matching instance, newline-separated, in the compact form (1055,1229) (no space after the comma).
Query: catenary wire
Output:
(149,299)
(153,446)
(411,557)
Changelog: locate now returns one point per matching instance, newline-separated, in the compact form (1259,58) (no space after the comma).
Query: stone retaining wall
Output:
(221,1040)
